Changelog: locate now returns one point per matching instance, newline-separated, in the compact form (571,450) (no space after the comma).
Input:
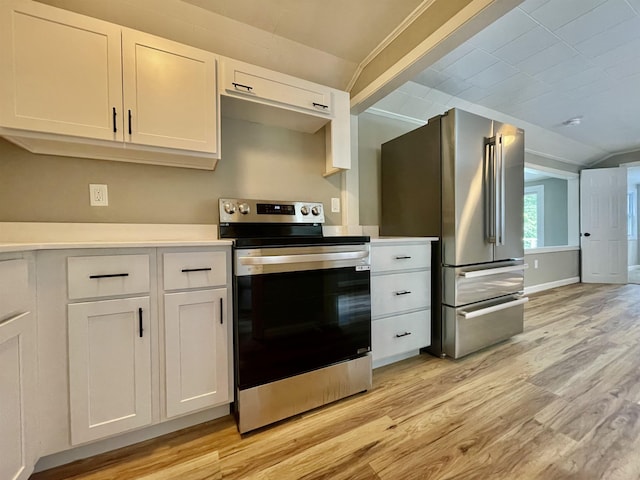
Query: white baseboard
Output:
(546,286)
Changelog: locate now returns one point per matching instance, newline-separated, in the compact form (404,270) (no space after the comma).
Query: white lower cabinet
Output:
(400,298)
(18,367)
(17,396)
(195,329)
(109,367)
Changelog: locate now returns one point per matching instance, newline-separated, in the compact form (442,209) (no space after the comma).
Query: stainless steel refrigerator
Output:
(461,178)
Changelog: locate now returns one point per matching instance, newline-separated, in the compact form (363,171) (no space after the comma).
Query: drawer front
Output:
(256,82)
(14,288)
(468,329)
(108,275)
(403,333)
(387,258)
(194,270)
(400,292)
(464,285)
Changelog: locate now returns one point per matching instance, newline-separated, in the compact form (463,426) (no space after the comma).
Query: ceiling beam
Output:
(436,31)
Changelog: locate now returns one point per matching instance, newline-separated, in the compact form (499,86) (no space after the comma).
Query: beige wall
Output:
(257,162)
(373,131)
(552,267)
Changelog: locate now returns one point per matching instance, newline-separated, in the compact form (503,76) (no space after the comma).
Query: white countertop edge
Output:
(404,239)
(27,246)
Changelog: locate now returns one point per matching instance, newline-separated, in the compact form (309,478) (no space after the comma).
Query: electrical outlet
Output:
(335,205)
(98,195)
(535,263)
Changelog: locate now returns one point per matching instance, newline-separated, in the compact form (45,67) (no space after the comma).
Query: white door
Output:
(603,241)
(17,397)
(196,326)
(61,72)
(170,93)
(109,367)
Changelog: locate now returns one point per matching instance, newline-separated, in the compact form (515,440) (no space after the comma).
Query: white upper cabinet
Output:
(93,81)
(61,72)
(253,93)
(169,93)
(254,82)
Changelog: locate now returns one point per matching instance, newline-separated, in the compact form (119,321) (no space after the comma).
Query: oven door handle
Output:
(309,257)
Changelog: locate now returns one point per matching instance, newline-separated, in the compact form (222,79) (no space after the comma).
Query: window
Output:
(632,216)
(534,216)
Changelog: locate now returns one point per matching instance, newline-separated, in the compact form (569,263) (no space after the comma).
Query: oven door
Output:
(298,309)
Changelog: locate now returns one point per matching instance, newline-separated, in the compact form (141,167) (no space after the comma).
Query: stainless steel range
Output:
(302,310)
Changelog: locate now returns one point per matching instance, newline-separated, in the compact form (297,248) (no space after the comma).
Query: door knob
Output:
(587,234)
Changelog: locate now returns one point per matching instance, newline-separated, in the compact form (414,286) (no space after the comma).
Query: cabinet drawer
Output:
(14,288)
(399,292)
(107,275)
(194,270)
(257,82)
(403,333)
(386,258)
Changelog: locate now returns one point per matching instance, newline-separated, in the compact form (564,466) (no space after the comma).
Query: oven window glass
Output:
(294,322)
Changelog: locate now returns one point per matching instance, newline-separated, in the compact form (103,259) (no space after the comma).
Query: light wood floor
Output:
(559,401)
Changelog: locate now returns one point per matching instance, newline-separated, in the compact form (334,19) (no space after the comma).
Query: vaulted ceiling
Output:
(541,65)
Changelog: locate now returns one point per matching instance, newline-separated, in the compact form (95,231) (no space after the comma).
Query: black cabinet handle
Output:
(221,312)
(320,105)
(587,234)
(187,270)
(129,122)
(239,85)
(115,129)
(140,321)
(399,335)
(110,275)
(404,292)
(402,257)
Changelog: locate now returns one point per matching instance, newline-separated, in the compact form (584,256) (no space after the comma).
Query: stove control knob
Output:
(243,208)
(304,210)
(230,208)
(317,210)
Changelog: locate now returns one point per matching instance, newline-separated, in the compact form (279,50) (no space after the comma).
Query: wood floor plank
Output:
(559,401)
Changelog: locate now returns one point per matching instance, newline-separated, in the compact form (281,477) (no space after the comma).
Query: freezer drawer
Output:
(464,285)
(470,328)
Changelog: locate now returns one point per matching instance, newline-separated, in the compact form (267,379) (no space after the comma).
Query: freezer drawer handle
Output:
(400,335)
(403,292)
(493,271)
(495,308)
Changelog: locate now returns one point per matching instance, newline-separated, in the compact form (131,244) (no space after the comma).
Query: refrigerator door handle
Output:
(494,308)
(493,271)
(502,200)
(490,189)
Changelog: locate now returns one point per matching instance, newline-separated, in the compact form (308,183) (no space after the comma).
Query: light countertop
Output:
(26,236)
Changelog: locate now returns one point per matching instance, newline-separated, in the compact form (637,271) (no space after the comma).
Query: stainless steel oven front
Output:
(299,311)
(302,309)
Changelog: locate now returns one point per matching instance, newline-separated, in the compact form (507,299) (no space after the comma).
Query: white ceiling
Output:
(349,30)
(541,64)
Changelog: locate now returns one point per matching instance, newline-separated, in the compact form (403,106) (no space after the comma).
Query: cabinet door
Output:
(196,326)
(255,82)
(17,394)
(170,94)
(61,72)
(109,367)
